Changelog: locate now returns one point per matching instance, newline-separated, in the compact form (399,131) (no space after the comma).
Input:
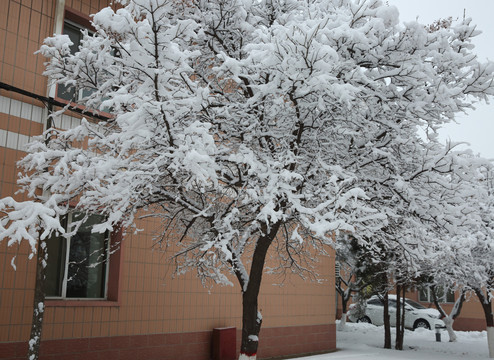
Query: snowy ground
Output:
(364,341)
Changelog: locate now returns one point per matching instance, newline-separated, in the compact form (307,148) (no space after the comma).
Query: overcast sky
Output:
(477,127)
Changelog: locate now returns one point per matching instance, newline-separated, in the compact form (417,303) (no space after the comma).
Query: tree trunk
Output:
(455,312)
(485,301)
(404,289)
(38,304)
(342,324)
(400,312)
(398,317)
(344,302)
(387,324)
(490,340)
(448,321)
(251,317)
(251,326)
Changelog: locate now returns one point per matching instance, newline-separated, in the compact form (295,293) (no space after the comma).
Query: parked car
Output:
(416,315)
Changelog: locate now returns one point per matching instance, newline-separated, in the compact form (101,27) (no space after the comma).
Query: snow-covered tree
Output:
(461,259)
(474,265)
(428,208)
(244,126)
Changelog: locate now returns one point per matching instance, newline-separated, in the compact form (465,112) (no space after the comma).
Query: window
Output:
(73,27)
(77,267)
(68,92)
(443,295)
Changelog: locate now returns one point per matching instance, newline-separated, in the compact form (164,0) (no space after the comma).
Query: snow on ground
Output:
(365,341)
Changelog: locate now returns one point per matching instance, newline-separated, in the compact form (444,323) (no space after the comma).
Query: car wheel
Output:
(421,323)
(364,319)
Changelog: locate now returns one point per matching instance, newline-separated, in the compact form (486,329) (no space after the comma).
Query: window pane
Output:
(87,92)
(55,267)
(87,261)
(75,36)
(450,296)
(66,92)
(74,33)
(424,294)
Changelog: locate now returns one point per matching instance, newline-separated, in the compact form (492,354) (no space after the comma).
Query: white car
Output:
(416,315)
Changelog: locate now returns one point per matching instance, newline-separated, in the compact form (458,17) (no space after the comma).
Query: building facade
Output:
(471,316)
(129,306)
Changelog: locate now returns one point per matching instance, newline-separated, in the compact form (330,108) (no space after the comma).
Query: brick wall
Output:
(469,324)
(294,340)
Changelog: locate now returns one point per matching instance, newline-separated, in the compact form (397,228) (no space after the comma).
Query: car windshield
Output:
(416,305)
(375,301)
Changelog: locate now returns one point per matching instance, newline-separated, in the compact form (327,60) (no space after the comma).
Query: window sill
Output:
(84,302)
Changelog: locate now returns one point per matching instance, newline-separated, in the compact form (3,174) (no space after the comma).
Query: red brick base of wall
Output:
(469,324)
(280,341)
(295,340)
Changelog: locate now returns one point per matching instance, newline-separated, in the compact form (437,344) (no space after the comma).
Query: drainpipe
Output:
(57,29)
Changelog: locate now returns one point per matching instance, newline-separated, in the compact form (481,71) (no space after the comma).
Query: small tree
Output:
(345,286)
(350,278)
(450,318)
(480,278)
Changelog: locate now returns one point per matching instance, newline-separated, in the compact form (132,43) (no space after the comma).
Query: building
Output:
(130,307)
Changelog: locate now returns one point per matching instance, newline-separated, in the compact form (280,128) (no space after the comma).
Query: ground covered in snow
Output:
(365,341)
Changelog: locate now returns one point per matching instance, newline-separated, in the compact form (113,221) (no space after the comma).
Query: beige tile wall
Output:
(152,301)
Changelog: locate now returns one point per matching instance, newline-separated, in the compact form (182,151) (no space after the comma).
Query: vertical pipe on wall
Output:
(57,29)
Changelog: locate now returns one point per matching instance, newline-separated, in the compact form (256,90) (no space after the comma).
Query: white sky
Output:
(476,128)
